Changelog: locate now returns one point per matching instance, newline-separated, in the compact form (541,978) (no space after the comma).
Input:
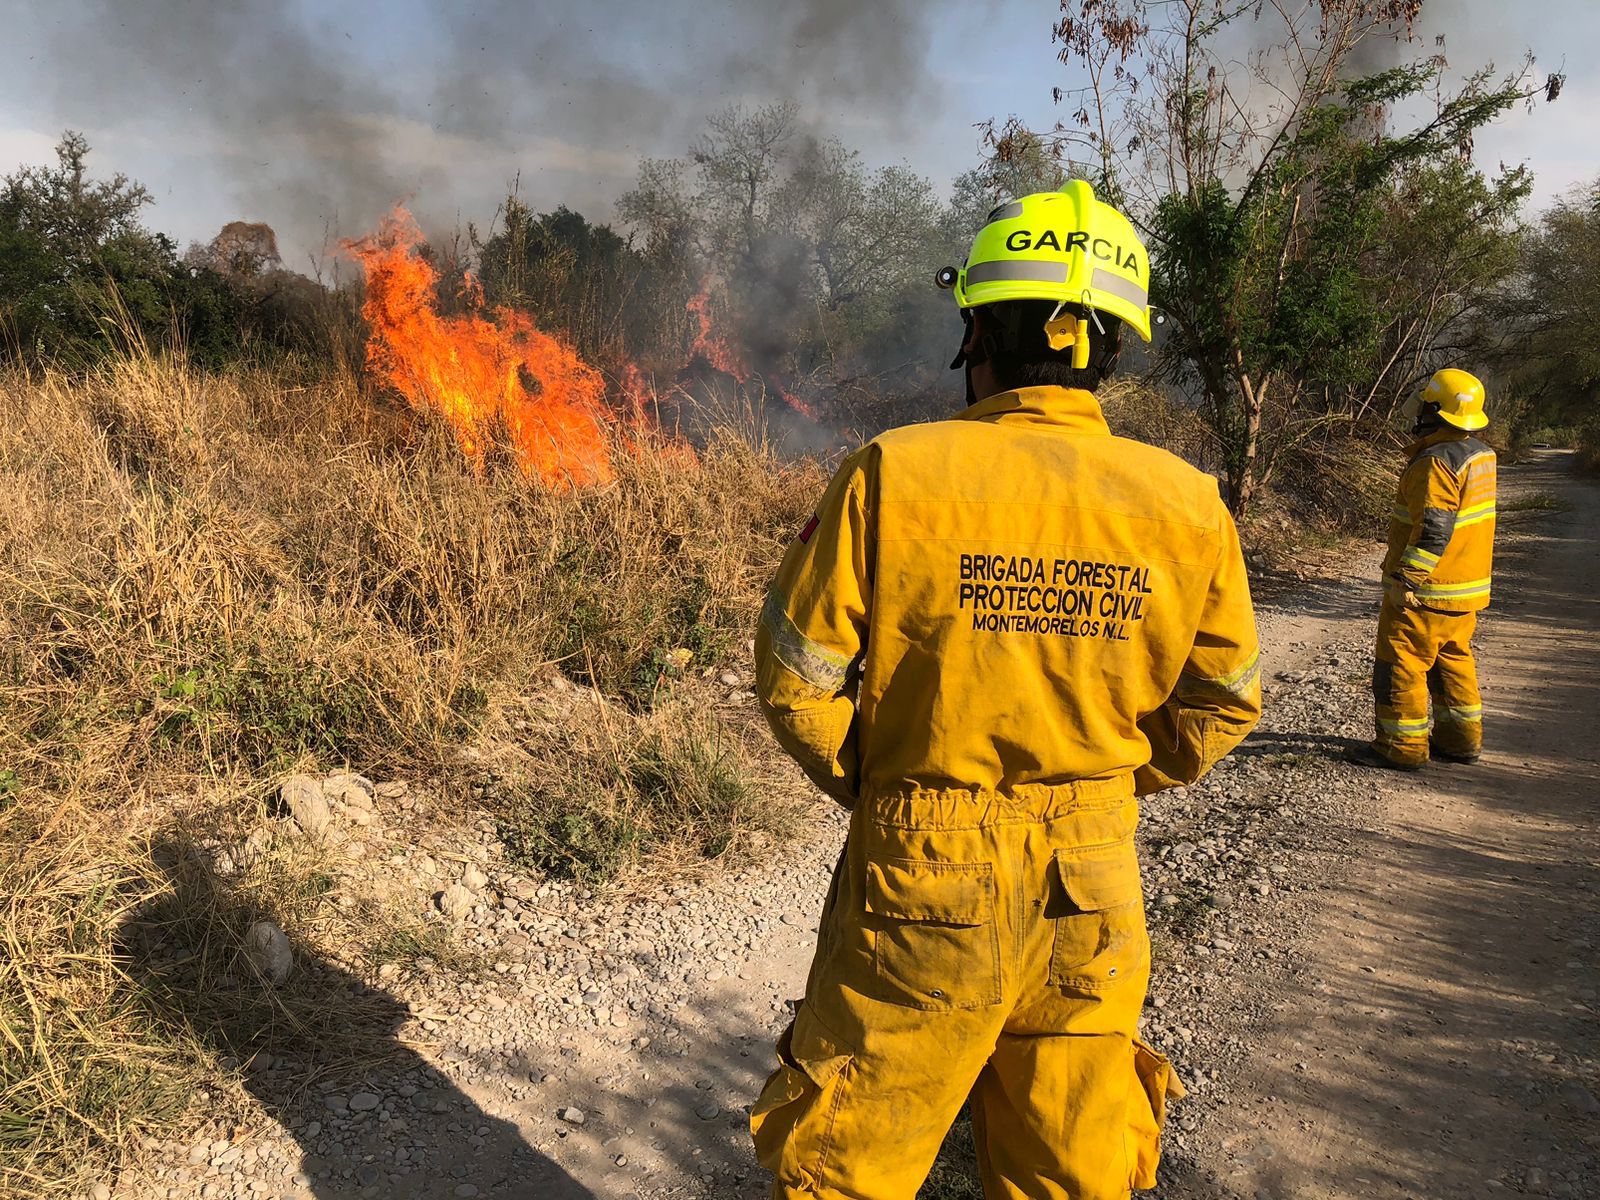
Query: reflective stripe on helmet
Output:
(1027,270)
(1116,285)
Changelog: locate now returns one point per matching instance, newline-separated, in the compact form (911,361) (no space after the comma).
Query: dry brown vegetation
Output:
(208,581)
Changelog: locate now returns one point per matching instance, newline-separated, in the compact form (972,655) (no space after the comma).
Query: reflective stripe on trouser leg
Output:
(1400,685)
(1453,686)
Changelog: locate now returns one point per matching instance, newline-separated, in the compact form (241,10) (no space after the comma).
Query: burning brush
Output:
(479,373)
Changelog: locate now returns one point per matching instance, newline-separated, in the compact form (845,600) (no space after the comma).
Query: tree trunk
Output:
(1242,480)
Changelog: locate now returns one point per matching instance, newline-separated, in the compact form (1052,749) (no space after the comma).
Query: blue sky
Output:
(315,116)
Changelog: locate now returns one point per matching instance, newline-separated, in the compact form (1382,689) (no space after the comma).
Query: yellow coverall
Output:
(995,631)
(1441,549)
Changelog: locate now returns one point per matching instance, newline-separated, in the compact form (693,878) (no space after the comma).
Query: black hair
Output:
(1019,352)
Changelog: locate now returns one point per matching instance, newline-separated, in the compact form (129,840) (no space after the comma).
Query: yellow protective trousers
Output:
(980,947)
(1423,654)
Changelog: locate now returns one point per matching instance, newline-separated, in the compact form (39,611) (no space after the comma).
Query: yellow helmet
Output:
(1459,396)
(1065,246)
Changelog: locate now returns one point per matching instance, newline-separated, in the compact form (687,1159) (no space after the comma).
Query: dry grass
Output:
(83,1067)
(1137,409)
(206,582)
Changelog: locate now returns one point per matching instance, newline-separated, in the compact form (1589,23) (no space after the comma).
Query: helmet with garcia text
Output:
(1067,247)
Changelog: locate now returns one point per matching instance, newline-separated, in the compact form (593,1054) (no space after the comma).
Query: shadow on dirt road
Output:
(323,1053)
(1442,1042)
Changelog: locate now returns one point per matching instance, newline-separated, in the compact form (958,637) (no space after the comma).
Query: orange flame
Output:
(803,407)
(480,374)
(710,345)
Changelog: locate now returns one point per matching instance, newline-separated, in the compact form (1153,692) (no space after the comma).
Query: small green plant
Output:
(406,943)
(262,709)
(1187,919)
(672,782)
(566,836)
(693,783)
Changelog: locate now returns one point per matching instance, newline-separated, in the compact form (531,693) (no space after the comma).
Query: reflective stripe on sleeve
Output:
(1453,591)
(1235,683)
(1416,556)
(816,664)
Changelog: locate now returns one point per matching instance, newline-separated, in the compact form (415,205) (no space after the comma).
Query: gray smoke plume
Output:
(332,115)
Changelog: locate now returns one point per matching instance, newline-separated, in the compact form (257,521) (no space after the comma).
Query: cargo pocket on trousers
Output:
(1100,936)
(935,941)
(792,1120)
(1156,1083)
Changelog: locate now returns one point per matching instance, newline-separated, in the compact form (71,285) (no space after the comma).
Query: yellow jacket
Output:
(1012,597)
(1441,533)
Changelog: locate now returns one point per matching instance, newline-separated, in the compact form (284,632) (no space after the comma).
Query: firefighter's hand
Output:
(1398,593)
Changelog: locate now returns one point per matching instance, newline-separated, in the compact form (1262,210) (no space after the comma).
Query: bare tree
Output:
(805,241)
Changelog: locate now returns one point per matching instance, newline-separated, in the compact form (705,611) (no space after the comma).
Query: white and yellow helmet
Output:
(1458,397)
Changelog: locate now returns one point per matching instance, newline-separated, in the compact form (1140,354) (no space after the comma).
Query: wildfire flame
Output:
(709,343)
(482,375)
(714,348)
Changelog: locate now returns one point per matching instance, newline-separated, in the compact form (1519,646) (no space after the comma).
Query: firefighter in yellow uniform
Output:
(1436,578)
(996,631)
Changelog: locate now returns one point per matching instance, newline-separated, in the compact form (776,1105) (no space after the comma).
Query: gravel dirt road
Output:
(1437,1036)
(1376,985)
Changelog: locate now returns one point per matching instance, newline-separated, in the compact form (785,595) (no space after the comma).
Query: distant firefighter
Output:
(1435,580)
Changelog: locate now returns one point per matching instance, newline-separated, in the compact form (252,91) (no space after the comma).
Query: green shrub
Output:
(605,794)
(1587,459)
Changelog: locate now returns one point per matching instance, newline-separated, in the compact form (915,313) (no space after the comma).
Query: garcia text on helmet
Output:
(1101,248)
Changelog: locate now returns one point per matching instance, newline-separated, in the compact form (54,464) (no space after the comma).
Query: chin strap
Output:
(980,354)
(1428,421)
(966,336)
(988,346)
